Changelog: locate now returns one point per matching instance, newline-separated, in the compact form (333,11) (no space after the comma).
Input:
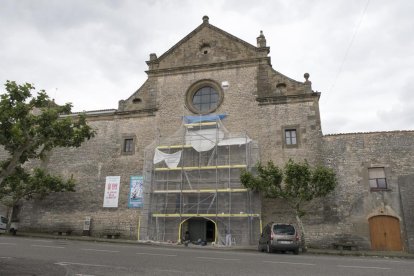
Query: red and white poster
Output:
(111,191)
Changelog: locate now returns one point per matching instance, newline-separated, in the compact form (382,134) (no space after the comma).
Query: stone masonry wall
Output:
(406,184)
(89,165)
(101,156)
(217,46)
(262,123)
(350,155)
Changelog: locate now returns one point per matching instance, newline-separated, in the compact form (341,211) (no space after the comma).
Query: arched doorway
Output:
(199,228)
(385,233)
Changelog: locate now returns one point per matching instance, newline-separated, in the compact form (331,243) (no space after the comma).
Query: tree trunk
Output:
(303,236)
(10,215)
(14,161)
(12,225)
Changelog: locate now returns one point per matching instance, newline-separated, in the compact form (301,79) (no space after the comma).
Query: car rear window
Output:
(3,220)
(285,229)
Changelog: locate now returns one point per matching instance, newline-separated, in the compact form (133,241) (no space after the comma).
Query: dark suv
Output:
(279,237)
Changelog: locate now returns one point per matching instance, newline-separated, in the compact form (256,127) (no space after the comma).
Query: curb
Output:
(313,251)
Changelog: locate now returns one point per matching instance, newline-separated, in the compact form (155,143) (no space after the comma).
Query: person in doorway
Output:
(187,238)
(228,237)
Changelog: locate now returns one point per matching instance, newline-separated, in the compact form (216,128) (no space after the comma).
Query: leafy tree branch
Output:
(30,126)
(296,183)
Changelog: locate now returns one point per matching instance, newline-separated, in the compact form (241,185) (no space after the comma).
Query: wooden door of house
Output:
(385,233)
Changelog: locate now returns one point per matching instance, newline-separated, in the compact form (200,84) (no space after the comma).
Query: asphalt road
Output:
(33,256)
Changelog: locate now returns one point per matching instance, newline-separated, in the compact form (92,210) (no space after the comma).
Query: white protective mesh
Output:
(201,193)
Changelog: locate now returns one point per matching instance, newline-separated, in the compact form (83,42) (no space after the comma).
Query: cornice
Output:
(209,66)
(300,98)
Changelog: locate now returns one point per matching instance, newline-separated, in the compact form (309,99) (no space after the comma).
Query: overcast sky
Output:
(359,54)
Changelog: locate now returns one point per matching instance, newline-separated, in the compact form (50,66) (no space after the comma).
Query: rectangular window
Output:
(377,179)
(290,137)
(128,145)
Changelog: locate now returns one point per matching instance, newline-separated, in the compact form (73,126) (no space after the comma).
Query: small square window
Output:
(128,146)
(377,179)
(290,137)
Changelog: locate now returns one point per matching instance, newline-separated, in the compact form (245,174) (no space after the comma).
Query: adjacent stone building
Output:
(211,106)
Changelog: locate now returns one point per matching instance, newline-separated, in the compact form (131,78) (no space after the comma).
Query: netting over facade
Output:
(192,185)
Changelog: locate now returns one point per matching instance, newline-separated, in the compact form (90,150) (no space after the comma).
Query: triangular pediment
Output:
(206,44)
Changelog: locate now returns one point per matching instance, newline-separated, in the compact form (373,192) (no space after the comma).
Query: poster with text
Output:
(135,192)
(111,191)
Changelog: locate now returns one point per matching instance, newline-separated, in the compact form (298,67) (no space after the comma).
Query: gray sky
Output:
(359,53)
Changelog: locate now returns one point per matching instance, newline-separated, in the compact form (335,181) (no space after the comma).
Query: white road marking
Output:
(172,271)
(273,262)
(93,265)
(154,254)
(48,246)
(68,263)
(221,259)
(367,267)
(5,257)
(42,241)
(7,243)
(100,250)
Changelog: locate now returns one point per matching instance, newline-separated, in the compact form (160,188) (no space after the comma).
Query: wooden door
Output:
(385,233)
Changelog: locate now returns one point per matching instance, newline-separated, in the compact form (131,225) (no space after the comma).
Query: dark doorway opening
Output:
(201,229)
(210,231)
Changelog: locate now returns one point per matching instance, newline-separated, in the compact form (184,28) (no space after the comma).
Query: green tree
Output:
(30,126)
(296,183)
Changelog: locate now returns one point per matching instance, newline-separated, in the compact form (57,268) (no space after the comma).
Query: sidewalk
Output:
(384,254)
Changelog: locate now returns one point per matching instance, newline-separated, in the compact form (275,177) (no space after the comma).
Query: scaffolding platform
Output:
(192,186)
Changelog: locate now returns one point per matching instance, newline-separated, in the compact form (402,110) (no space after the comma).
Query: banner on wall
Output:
(135,192)
(111,191)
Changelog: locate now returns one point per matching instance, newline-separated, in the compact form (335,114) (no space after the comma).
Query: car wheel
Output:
(269,248)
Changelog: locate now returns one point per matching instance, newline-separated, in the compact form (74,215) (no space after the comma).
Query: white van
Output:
(3,224)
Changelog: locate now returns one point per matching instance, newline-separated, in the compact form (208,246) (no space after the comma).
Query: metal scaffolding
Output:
(192,184)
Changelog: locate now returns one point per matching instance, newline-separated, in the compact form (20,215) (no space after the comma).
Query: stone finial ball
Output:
(306,75)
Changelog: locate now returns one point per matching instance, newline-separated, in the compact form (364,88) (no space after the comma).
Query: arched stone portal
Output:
(199,228)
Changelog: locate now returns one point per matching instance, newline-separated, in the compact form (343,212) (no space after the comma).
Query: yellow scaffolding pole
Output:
(139,227)
(227,190)
(261,224)
(202,168)
(243,215)
(175,147)
(200,124)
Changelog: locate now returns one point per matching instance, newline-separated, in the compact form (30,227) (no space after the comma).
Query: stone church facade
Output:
(211,106)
